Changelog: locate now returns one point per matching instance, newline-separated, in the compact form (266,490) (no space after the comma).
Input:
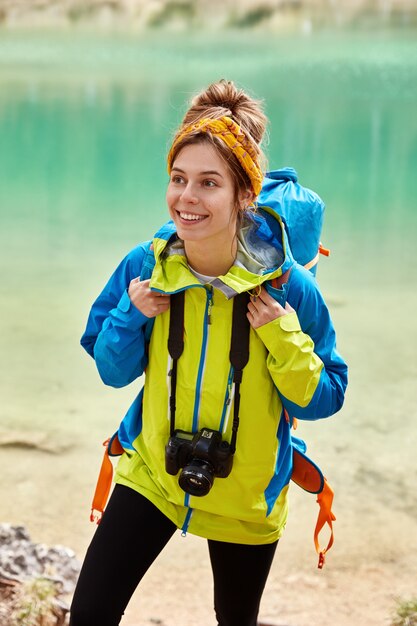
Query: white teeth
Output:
(192,218)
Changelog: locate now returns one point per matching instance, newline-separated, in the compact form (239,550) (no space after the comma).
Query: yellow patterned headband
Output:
(232,135)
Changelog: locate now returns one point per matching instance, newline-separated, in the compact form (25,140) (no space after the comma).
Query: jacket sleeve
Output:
(115,332)
(309,373)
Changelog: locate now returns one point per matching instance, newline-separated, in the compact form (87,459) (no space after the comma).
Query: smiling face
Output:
(201,197)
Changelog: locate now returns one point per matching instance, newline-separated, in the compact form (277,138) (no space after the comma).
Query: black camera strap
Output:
(238,355)
(175,347)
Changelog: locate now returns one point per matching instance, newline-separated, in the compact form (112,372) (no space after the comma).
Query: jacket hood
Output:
(263,254)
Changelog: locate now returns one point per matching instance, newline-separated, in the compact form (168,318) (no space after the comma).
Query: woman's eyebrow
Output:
(205,173)
(211,172)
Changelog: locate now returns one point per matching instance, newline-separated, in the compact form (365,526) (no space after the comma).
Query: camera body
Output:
(202,456)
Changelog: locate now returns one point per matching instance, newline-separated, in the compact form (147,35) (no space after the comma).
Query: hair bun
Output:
(223,98)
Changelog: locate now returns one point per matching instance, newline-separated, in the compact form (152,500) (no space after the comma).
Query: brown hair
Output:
(221,99)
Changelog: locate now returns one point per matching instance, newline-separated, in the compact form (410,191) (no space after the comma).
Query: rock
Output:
(37,599)
(21,559)
(10,533)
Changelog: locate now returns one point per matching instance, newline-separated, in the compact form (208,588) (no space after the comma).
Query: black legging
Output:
(131,535)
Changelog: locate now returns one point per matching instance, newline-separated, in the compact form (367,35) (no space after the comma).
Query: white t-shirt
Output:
(205,280)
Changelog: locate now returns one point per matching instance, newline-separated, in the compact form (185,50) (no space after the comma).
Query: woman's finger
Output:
(265,297)
(138,280)
(160,296)
(250,317)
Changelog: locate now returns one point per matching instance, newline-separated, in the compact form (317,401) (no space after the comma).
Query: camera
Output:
(202,456)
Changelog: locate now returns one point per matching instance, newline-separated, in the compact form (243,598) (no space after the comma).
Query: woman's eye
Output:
(177,179)
(209,183)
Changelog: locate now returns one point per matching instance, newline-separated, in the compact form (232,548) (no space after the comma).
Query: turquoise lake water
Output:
(85,123)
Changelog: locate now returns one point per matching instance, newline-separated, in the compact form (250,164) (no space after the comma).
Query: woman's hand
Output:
(263,309)
(149,302)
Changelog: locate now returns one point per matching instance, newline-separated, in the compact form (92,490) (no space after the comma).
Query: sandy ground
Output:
(367,451)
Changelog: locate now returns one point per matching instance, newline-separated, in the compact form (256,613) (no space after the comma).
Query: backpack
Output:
(301,211)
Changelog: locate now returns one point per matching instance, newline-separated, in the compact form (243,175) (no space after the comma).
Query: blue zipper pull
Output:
(186,523)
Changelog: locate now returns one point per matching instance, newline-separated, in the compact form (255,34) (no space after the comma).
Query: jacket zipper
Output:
(207,322)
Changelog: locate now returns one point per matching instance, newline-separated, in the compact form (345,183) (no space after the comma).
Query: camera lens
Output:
(197,478)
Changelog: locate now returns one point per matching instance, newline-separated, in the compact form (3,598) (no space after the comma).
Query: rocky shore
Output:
(273,15)
(36,581)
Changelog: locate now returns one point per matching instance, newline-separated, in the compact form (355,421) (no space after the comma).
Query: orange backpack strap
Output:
(309,477)
(281,280)
(326,516)
(306,473)
(105,477)
(293,422)
(313,262)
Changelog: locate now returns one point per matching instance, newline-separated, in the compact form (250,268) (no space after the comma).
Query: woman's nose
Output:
(188,195)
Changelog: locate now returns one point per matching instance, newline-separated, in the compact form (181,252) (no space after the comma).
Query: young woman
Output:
(204,452)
